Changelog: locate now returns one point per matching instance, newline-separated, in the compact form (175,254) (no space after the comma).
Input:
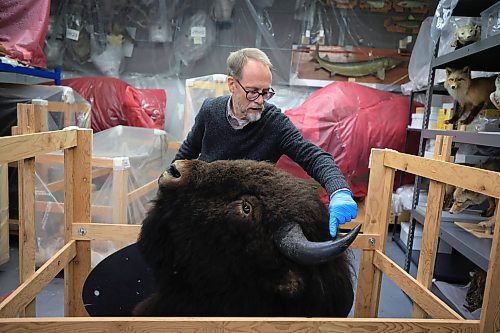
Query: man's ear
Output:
(231,84)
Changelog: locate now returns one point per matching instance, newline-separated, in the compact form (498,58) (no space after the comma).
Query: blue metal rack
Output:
(55,75)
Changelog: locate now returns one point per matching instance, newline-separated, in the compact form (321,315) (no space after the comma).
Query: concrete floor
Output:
(393,302)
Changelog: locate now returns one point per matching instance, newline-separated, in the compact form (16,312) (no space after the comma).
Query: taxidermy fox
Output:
(463,198)
(472,95)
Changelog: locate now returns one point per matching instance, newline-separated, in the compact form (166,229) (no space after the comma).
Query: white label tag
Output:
(198,32)
(72,34)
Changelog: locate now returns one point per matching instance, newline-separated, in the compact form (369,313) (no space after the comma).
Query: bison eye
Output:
(246,207)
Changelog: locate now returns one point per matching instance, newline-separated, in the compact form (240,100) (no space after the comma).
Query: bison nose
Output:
(173,171)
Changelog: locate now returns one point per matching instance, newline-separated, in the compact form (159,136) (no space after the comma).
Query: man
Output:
(244,126)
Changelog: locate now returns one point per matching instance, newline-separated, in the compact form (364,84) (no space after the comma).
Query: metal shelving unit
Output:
(484,139)
(480,56)
(21,69)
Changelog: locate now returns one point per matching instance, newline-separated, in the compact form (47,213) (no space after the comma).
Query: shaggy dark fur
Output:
(209,240)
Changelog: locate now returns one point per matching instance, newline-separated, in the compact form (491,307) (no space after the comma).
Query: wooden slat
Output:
(475,179)
(142,191)
(119,191)
(77,176)
(432,224)
(97,211)
(26,183)
(39,280)
(414,289)
(41,117)
(490,313)
(100,162)
(60,107)
(175,145)
(4,214)
(15,148)
(221,325)
(59,185)
(102,231)
(376,222)
(129,233)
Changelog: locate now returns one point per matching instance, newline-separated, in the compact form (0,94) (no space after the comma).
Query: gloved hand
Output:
(342,208)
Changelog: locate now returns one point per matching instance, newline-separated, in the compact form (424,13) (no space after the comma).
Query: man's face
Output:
(255,76)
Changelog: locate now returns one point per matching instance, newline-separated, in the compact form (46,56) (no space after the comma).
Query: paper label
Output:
(72,34)
(200,32)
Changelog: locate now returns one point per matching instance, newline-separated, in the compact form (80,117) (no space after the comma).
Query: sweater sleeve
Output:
(191,147)
(318,163)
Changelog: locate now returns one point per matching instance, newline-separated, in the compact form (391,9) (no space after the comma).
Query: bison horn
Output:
(292,242)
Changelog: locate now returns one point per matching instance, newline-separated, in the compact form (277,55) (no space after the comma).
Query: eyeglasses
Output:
(253,95)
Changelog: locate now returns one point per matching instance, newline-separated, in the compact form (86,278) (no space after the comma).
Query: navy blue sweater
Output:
(213,138)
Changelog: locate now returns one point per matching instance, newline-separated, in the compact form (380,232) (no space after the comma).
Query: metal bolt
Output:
(82,231)
(371,241)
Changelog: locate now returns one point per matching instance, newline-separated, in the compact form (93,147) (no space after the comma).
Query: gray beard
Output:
(253,117)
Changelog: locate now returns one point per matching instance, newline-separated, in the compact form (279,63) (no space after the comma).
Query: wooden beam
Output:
(142,191)
(59,185)
(15,148)
(414,289)
(28,290)
(475,179)
(376,221)
(101,231)
(26,184)
(490,313)
(78,179)
(221,325)
(432,224)
(100,162)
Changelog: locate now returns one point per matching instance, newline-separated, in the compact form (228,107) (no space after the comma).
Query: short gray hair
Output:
(238,59)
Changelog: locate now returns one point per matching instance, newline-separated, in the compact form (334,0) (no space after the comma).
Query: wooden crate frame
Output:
(32,118)
(74,257)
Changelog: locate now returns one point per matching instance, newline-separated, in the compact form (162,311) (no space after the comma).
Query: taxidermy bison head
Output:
(242,238)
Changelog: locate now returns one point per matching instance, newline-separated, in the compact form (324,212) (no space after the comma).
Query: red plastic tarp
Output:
(23,26)
(348,120)
(115,102)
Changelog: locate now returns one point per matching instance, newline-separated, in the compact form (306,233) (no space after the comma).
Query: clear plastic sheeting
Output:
(187,39)
(444,11)
(127,162)
(11,94)
(402,199)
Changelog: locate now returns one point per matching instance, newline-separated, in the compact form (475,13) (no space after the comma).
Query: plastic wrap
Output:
(127,163)
(114,102)
(195,40)
(402,199)
(11,94)
(23,26)
(348,120)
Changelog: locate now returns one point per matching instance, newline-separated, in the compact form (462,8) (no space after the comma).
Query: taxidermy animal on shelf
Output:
(242,238)
(472,95)
(463,199)
(495,96)
(377,66)
(466,35)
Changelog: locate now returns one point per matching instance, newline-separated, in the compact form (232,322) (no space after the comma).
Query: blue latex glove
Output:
(342,208)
